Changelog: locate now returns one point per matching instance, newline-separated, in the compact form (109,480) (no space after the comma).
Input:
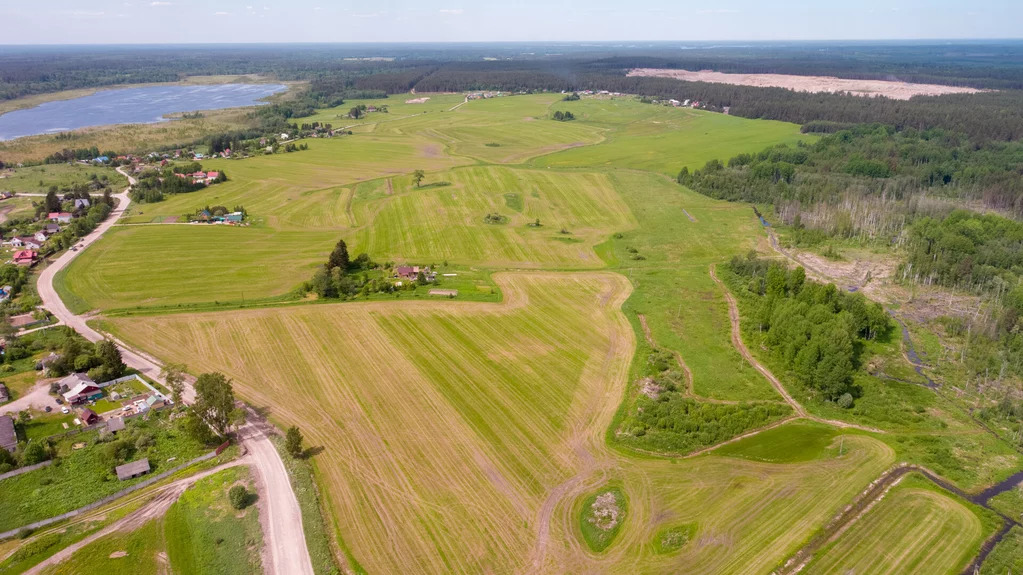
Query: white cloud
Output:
(158,3)
(452,11)
(221,13)
(80,13)
(719,11)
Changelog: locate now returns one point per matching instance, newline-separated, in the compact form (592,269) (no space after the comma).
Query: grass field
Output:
(38,179)
(472,432)
(912,530)
(480,411)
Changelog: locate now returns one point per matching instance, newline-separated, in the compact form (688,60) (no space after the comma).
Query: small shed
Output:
(88,416)
(8,437)
(132,470)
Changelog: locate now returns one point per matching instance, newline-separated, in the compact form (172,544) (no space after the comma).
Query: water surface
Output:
(129,106)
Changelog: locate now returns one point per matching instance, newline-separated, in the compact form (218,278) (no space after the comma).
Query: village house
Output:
(8,437)
(132,470)
(27,242)
(60,217)
(80,388)
(24,257)
(82,203)
(52,228)
(412,273)
(40,236)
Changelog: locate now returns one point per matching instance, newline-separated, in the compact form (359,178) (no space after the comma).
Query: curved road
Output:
(284,534)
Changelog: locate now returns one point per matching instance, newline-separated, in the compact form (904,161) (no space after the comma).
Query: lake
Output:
(129,106)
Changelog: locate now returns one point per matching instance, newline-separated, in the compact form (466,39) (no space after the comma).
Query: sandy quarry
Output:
(894,90)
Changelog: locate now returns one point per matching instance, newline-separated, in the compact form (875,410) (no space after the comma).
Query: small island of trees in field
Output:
(560,116)
(154,184)
(345,278)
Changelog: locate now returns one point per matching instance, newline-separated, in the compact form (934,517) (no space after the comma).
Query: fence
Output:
(129,378)
(26,469)
(107,499)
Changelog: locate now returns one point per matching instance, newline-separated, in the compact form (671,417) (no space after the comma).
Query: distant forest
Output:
(339,71)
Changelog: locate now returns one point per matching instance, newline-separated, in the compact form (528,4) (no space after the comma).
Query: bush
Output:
(238,496)
(846,401)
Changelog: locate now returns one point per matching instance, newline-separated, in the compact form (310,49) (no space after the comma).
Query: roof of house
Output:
(213,175)
(115,424)
(8,437)
(75,379)
(88,415)
(24,254)
(129,470)
(153,399)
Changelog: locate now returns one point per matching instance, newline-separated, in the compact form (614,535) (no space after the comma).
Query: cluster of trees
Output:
(814,329)
(102,360)
(571,97)
(967,250)
(74,154)
(153,185)
(343,277)
(869,181)
(27,454)
(665,418)
(563,116)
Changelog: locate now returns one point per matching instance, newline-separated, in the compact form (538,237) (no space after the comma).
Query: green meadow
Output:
(358,188)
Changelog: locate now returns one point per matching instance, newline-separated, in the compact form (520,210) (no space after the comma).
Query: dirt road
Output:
(37,398)
(283,532)
(156,508)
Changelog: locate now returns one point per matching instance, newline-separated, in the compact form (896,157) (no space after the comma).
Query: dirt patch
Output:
(416,101)
(649,388)
(118,554)
(432,151)
(605,512)
(827,84)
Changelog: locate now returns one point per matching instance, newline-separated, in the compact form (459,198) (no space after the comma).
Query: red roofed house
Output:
(88,416)
(210,176)
(62,217)
(24,257)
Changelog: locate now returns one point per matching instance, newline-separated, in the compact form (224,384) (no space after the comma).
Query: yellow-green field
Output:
(463,437)
(912,530)
(471,441)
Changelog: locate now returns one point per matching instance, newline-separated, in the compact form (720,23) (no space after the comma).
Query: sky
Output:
(209,21)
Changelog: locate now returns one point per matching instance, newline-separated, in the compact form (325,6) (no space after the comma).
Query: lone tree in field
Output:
(293,442)
(174,375)
(339,257)
(355,113)
(417,177)
(238,497)
(214,401)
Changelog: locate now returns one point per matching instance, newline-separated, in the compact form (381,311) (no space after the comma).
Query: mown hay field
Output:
(471,441)
(912,530)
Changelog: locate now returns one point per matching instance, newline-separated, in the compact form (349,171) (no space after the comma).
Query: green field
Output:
(200,534)
(358,188)
(38,179)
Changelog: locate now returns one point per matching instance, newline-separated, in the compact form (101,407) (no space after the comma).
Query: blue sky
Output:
(187,21)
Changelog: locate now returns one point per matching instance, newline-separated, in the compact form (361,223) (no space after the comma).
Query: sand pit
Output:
(889,89)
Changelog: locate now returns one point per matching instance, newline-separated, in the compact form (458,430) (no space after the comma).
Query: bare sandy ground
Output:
(889,89)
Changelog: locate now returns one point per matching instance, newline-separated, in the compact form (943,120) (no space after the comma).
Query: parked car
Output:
(48,409)
(65,409)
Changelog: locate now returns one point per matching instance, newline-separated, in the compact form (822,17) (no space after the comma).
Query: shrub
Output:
(846,401)
(238,496)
